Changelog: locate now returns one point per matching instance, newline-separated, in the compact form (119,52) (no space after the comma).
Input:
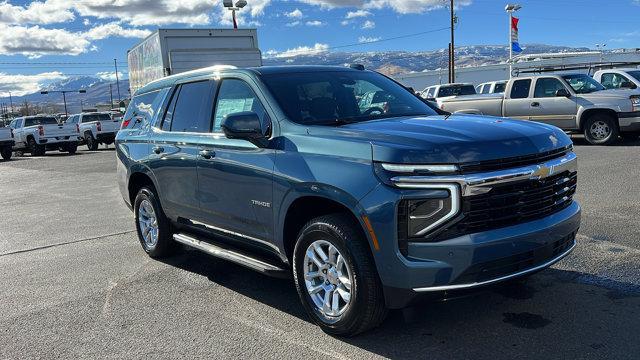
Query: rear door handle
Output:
(158,149)
(207,154)
(535,104)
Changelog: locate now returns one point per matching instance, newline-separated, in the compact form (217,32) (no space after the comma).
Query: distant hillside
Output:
(388,62)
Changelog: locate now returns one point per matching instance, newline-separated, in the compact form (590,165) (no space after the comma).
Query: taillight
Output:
(98,126)
(77,128)
(125,124)
(41,130)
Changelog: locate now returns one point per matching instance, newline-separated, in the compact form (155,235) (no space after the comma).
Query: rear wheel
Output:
(601,129)
(153,228)
(6,152)
(336,278)
(91,142)
(36,150)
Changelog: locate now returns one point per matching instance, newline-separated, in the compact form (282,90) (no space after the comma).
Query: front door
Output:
(236,177)
(548,108)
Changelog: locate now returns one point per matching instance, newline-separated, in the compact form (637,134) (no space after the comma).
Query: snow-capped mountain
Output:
(388,62)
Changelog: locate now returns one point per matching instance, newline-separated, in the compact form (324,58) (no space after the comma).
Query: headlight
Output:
(635,103)
(417,218)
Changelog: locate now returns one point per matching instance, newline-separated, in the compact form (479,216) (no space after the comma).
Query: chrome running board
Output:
(235,256)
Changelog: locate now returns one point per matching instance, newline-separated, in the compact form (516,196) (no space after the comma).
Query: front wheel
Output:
(601,129)
(152,226)
(92,143)
(6,152)
(336,278)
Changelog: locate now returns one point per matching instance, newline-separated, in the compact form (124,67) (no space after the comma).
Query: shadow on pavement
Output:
(554,314)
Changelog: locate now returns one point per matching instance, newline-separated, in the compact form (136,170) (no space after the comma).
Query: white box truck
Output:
(172,51)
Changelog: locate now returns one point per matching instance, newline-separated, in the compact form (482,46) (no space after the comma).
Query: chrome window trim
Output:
(499,279)
(481,183)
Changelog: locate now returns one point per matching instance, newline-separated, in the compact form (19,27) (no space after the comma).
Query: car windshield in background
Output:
(456,90)
(40,121)
(338,97)
(500,87)
(582,84)
(635,74)
(96,117)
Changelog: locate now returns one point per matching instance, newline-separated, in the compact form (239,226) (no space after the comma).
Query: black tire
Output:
(71,148)
(366,307)
(92,143)
(36,150)
(6,152)
(165,245)
(601,129)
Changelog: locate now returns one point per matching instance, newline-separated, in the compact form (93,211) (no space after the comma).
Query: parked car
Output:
(367,210)
(618,78)
(6,142)
(572,102)
(447,91)
(491,87)
(95,128)
(40,133)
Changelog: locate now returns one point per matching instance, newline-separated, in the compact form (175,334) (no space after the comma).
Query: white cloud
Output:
(27,84)
(37,12)
(399,6)
(344,22)
(34,41)
(368,39)
(295,14)
(111,75)
(368,25)
(315,23)
(298,51)
(293,23)
(148,12)
(86,22)
(357,14)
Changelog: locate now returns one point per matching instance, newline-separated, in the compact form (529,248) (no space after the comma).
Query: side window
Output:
(142,107)
(236,96)
(431,92)
(499,88)
(613,80)
(168,117)
(486,89)
(12,124)
(547,87)
(520,89)
(194,103)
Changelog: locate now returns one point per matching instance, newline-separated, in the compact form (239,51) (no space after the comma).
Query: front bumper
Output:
(629,121)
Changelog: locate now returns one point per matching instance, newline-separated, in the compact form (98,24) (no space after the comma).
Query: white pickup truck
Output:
(37,134)
(618,78)
(572,102)
(95,128)
(6,142)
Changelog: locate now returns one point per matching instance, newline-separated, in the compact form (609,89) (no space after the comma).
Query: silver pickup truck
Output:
(572,102)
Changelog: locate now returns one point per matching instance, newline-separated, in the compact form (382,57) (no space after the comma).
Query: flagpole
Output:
(510,44)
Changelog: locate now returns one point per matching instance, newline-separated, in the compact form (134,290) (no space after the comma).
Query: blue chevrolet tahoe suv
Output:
(346,180)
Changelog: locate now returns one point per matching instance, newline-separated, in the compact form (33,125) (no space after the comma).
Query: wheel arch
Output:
(586,114)
(138,178)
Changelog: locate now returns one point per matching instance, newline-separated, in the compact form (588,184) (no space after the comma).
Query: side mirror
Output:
(628,85)
(562,93)
(246,126)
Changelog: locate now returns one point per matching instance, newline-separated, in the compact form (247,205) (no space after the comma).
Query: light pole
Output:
(510,9)
(64,96)
(239,5)
(600,48)
(452,47)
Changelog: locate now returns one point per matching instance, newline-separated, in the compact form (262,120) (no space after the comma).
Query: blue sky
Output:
(46,40)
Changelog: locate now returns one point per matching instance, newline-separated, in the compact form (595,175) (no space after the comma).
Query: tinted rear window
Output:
(40,121)
(456,90)
(499,87)
(144,107)
(193,108)
(520,89)
(95,117)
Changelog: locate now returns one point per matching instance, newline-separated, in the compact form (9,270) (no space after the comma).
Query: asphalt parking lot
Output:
(74,283)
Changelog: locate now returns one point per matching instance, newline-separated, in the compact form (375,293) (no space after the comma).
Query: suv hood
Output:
(612,93)
(457,139)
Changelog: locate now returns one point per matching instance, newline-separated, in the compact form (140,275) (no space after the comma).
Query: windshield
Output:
(456,90)
(635,74)
(338,97)
(582,84)
(40,121)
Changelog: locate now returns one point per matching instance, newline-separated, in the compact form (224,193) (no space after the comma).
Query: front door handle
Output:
(207,154)
(158,149)
(535,104)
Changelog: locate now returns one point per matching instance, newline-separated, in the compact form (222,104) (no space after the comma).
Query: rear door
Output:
(517,103)
(175,145)
(235,176)
(548,108)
